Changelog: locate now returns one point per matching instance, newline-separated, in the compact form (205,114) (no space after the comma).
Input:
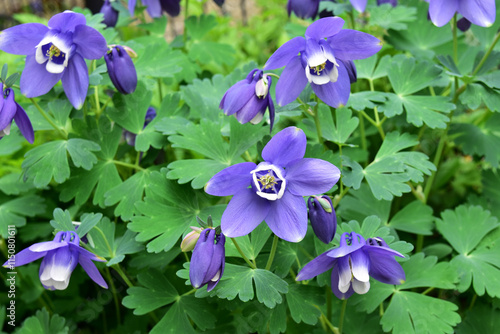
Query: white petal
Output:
(216,277)
(315,59)
(257,119)
(39,56)
(360,287)
(334,74)
(308,74)
(5,132)
(55,68)
(359,264)
(271,197)
(321,79)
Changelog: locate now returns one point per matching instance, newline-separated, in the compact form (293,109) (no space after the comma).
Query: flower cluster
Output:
(353,262)
(60,258)
(273,190)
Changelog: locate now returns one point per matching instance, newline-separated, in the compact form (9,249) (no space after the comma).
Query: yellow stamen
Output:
(267,181)
(54,51)
(318,69)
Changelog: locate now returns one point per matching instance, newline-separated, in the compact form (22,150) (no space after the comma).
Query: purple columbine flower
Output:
(60,258)
(248,99)
(208,260)
(55,53)
(155,8)
(110,14)
(478,12)
(11,110)
(273,190)
(129,136)
(305,9)
(353,262)
(323,218)
(324,59)
(121,69)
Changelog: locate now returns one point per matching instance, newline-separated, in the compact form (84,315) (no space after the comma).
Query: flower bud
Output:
(262,87)
(110,14)
(191,239)
(208,260)
(121,70)
(322,217)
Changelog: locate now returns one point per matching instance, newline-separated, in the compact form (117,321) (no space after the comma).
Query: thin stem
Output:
(381,309)
(329,324)
(125,164)
(138,159)
(328,302)
(368,118)
(253,266)
(190,292)
(273,75)
(362,132)
(318,124)
(96,94)
(305,107)
(342,314)
(420,243)
(377,123)
(273,252)
(159,89)
(428,290)
(122,275)
(473,301)
(62,132)
(115,297)
(487,54)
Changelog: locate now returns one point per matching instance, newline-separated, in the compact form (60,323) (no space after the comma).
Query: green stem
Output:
(306,107)
(253,266)
(190,292)
(328,302)
(377,123)
(96,94)
(487,54)
(473,301)
(122,275)
(318,124)
(362,132)
(160,90)
(125,164)
(115,297)
(342,314)
(334,329)
(273,252)
(428,290)
(381,309)
(273,75)
(138,159)
(61,131)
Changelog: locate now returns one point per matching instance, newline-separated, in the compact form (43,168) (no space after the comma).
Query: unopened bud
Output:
(323,218)
(191,239)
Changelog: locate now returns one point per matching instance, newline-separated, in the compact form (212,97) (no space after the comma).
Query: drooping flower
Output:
(121,69)
(478,12)
(353,262)
(323,58)
(11,110)
(248,99)
(129,136)
(208,260)
(190,240)
(273,190)
(110,14)
(305,9)
(155,8)
(60,258)
(55,53)
(323,218)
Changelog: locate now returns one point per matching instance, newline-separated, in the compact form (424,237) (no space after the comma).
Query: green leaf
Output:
(130,110)
(408,76)
(426,272)
(475,94)
(206,138)
(237,281)
(352,173)
(410,312)
(14,211)
(127,194)
(198,26)
(43,323)
(480,140)
(62,220)
(157,292)
(60,109)
(388,173)
(477,264)
(389,17)
(361,203)
(157,60)
(167,201)
(416,218)
(303,302)
(366,67)
(366,100)
(206,52)
(286,254)
(344,125)
(482,318)
(50,160)
(176,319)
(88,222)
(12,184)
(465,227)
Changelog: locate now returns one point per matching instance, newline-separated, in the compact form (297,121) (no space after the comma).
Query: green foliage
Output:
(43,323)
(14,211)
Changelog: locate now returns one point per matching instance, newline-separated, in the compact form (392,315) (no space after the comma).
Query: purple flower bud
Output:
(305,9)
(191,239)
(121,70)
(248,99)
(11,110)
(110,14)
(208,260)
(322,217)
(463,24)
(394,3)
